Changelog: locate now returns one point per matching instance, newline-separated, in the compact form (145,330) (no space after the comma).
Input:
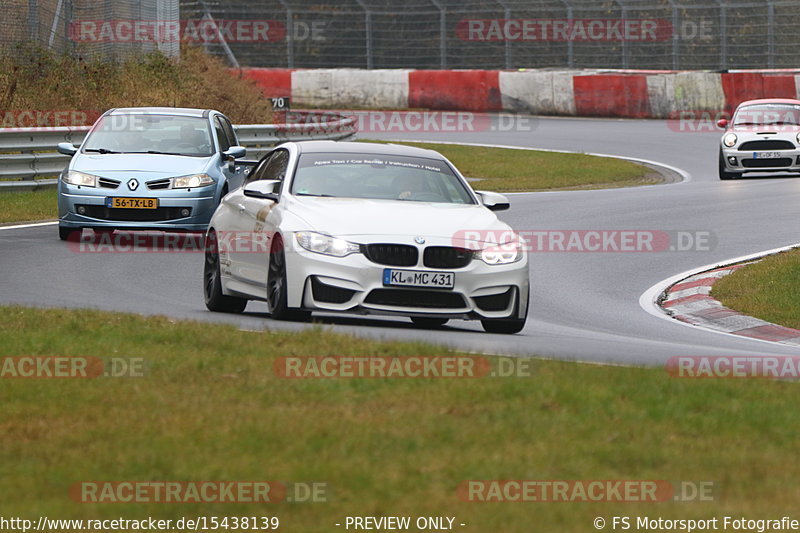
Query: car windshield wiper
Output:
(311,194)
(156,152)
(101,151)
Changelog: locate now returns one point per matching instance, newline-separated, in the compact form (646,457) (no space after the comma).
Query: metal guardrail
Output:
(29,153)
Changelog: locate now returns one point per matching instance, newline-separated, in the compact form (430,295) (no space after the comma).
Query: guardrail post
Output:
(289,34)
(770,34)
(33,20)
(69,45)
(625,47)
(368,29)
(723,35)
(506,40)
(676,43)
(442,34)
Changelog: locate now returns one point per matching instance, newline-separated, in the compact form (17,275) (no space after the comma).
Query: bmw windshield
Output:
(150,134)
(379,177)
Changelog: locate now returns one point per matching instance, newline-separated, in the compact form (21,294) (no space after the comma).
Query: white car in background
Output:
(369,229)
(762,136)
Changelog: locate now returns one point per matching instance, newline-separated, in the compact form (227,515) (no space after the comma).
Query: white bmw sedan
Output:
(342,227)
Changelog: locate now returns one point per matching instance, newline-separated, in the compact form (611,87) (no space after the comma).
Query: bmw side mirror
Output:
(722,123)
(67,149)
(263,189)
(493,201)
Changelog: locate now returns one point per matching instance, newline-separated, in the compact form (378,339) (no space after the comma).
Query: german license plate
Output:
(416,278)
(132,203)
(766,155)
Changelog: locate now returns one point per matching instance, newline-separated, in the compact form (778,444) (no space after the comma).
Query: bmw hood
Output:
(120,166)
(351,217)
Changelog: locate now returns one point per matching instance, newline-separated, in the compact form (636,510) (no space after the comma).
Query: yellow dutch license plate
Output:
(132,203)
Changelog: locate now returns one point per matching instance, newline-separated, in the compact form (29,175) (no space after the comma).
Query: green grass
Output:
(769,289)
(509,170)
(28,206)
(211,408)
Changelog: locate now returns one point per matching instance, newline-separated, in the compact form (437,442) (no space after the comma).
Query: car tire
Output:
(507,326)
(212,282)
(723,171)
(277,293)
(429,322)
(64,233)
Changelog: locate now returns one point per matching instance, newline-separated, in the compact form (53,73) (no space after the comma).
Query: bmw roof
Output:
(364,148)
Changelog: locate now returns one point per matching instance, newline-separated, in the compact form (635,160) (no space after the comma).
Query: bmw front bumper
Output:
(354,284)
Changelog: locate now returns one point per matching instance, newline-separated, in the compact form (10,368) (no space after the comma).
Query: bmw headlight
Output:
(325,244)
(190,182)
(729,140)
(73,177)
(501,254)
(798,138)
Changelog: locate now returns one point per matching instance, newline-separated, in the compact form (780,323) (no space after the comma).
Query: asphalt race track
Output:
(584,306)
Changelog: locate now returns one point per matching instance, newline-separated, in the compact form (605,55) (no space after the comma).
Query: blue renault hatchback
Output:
(149,169)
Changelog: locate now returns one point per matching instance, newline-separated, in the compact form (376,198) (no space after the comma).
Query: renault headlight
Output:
(501,254)
(325,244)
(190,182)
(73,177)
(729,140)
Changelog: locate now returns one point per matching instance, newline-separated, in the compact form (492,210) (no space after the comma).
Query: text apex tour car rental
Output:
(149,168)
(369,229)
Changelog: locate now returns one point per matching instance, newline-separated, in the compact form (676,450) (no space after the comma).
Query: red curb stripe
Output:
(726,269)
(688,299)
(770,333)
(715,313)
(705,282)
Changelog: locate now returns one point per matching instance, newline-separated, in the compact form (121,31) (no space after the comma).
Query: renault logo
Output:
(419,240)
(133,184)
